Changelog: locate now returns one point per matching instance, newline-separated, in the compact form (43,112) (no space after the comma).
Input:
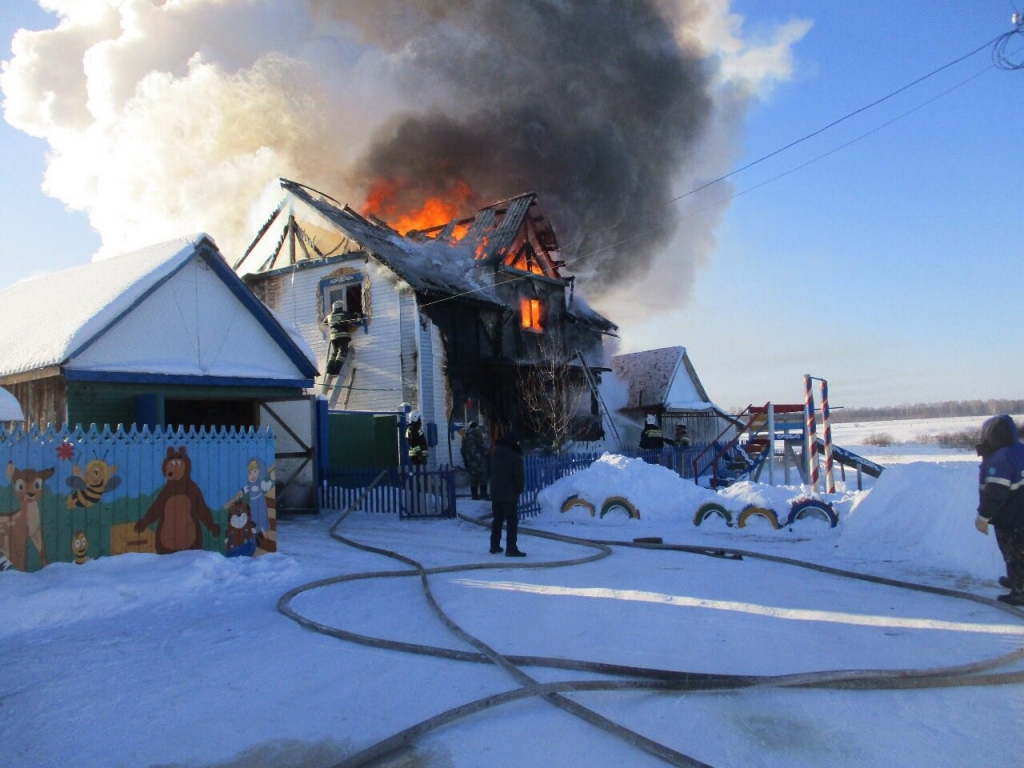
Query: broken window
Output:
(531,313)
(348,289)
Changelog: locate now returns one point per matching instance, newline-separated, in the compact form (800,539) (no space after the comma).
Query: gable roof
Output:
(96,321)
(661,378)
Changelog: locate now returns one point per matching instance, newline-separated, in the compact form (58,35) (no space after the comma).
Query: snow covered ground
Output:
(184,660)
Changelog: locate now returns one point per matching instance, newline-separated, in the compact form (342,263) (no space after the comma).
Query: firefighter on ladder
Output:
(342,324)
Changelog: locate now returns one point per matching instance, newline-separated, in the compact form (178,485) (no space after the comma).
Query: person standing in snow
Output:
(1001,501)
(475,458)
(507,483)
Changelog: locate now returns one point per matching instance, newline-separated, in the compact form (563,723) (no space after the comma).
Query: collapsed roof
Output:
(466,258)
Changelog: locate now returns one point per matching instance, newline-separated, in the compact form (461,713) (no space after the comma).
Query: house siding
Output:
(374,377)
(114,404)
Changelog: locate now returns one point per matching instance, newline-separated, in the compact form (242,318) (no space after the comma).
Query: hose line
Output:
(628,678)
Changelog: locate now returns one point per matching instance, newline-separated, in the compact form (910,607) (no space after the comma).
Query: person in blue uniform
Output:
(1001,498)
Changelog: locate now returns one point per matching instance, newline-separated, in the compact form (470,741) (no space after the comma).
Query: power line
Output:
(579,257)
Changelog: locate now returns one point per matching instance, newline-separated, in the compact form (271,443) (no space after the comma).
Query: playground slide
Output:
(851,459)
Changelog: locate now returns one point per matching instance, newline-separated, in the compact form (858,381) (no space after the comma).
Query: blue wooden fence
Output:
(420,492)
(72,495)
(411,491)
(543,470)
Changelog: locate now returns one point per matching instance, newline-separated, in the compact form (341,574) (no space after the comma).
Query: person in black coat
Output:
(507,482)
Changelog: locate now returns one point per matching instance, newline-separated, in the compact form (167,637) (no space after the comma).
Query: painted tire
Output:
(754,511)
(711,508)
(620,502)
(812,508)
(576,501)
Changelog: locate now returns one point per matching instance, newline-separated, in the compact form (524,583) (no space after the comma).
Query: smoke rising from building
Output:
(165,118)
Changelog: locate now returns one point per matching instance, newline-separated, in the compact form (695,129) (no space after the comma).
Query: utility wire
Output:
(638,235)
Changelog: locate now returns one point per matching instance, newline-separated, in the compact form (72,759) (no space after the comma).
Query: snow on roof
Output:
(433,265)
(429,266)
(44,320)
(72,318)
(660,378)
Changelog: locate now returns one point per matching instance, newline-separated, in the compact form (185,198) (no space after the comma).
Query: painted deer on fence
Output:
(25,524)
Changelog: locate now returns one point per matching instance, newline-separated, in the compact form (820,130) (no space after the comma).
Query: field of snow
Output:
(185,661)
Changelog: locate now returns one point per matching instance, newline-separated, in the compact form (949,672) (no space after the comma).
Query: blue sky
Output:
(893,267)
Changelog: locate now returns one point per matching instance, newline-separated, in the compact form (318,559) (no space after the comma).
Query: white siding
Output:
(372,377)
(192,324)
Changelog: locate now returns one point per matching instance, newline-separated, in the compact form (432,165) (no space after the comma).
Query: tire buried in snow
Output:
(812,508)
(576,501)
(756,511)
(621,503)
(712,509)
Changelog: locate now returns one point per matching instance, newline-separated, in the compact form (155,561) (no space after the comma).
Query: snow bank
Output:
(923,512)
(916,513)
(66,593)
(656,492)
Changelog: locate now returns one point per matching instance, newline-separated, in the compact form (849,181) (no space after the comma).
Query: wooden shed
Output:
(663,382)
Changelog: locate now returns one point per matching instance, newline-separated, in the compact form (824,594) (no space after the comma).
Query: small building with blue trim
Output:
(167,335)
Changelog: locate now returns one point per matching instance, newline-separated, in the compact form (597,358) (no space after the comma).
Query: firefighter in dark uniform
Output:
(342,324)
(417,440)
(651,438)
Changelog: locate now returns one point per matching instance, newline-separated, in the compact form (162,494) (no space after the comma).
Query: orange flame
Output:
(387,200)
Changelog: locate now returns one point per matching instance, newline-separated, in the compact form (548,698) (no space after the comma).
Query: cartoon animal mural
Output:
(241,538)
(179,508)
(25,525)
(90,485)
(256,492)
(80,547)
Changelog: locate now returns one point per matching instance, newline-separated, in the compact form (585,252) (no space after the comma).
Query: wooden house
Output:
(663,382)
(454,314)
(166,335)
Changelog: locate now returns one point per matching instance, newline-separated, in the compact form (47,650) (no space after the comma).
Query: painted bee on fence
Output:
(90,485)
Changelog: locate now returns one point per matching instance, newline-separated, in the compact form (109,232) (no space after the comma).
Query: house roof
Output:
(172,309)
(429,266)
(661,378)
(434,261)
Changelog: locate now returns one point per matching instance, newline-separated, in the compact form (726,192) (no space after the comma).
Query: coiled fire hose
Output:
(635,678)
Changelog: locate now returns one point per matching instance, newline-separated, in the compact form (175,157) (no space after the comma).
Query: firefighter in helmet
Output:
(342,324)
(651,438)
(416,438)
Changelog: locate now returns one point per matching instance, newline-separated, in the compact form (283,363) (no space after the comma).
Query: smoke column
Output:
(170,117)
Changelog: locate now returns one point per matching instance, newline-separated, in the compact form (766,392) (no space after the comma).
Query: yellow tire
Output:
(754,511)
(576,501)
(620,502)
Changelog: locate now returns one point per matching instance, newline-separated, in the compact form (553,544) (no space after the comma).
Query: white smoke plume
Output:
(171,116)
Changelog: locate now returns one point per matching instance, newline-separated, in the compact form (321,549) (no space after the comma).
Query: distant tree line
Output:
(947,409)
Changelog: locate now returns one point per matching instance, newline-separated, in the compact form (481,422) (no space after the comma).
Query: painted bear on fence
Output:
(179,508)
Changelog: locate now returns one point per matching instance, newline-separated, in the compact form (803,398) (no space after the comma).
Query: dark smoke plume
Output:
(590,103)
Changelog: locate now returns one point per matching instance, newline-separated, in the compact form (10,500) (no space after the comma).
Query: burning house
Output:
(472,318)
